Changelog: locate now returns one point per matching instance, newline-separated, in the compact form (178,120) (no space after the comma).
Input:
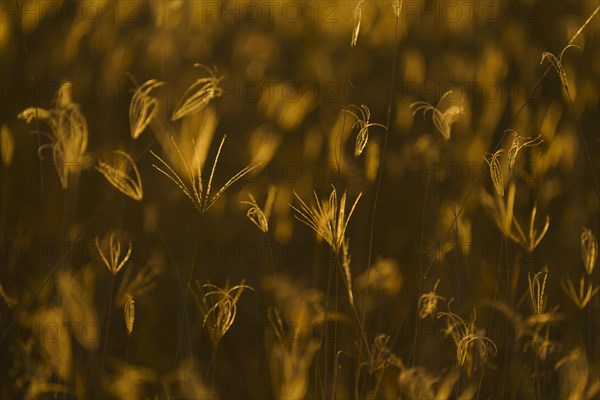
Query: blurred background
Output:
(289,70)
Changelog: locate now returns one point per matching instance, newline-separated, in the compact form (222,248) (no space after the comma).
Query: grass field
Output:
(367,199)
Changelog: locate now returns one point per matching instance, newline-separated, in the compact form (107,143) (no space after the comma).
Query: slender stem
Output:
(107,324)
(335,332)
(209,375)
(185,317)
(381,164)
(421,276)
(326,320)
(271,259)
(378,187)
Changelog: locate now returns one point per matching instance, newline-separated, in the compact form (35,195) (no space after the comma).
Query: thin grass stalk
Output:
(183,290)
(107,324)
(524,103)
(335,329)
(379,179)
(421,277)
(324,346)
(185,318)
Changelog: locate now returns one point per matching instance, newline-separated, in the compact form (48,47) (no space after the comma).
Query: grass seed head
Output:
(199,94)
(530,241)
(363,116)
(143,107)
(537,291)
(114,261)
(219,307)
(118,175)
(193,185)
(428,302)
(518,143)
(589,250)
(493,161)
(557,64)
(471,344)
(69,137)
(327,218)
(255,214)
(129,313)
(443,120)
(357,19)
(584,295)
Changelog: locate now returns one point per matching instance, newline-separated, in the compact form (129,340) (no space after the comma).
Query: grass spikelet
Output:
(502,210)
(143,107)
(199,94)
(518,143)
(69,137)
(357,19)
(118,175)
(7,145)
(443,120)
(363,116)
(589,250)
(195,190)
(428,302)
(537,291)
(219,307)
(346,269)
(582,297)
(533,239)
(78,307)
(327,218)
(496,171)
(255,214)
(557,64)
(129,313)
(470,344)
(114,262)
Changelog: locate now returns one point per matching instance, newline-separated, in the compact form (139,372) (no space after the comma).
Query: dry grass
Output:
(327,217)
(442,120)
(218,307)
(69,136)
(193,186)
(198,94)
(118,175)
(143,107)
(457,277)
